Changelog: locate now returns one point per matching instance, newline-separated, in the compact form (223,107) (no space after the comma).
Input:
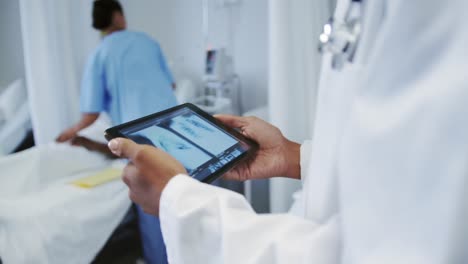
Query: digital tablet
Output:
(204,146)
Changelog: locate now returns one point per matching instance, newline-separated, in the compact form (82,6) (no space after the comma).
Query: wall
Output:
(177,25)
(11,49)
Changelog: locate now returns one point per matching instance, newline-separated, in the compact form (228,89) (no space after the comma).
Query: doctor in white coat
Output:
(385,177)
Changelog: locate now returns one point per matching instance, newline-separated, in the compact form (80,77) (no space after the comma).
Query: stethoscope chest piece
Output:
(341,37)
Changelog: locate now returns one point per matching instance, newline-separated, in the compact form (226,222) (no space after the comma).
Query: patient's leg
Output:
(154,248)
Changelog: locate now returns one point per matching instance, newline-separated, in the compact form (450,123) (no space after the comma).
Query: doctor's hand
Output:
(276,156)
(147,173)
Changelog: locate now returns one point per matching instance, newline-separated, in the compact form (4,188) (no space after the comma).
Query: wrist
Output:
(163,181)
(292,160)
(74,129)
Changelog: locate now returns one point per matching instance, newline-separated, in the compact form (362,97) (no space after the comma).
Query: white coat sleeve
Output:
(206,224)
(298,206)
(306,150)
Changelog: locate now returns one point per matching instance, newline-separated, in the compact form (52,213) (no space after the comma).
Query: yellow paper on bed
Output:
(98,178)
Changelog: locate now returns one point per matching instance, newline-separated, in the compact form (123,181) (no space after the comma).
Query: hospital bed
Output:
(46,219)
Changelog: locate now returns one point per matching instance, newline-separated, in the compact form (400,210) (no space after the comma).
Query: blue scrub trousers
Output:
(154,249)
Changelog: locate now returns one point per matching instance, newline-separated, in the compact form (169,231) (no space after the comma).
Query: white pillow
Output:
(11,99)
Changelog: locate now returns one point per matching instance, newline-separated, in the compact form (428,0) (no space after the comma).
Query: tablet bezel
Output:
(115,132)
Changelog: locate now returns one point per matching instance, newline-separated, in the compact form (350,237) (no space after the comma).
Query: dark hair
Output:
(103,11)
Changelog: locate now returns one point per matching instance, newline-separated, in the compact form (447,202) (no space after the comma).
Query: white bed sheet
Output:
(45,219)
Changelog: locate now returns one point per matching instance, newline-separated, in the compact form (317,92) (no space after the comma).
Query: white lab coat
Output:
(385,176)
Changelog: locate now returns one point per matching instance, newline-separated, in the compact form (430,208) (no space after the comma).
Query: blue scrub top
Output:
(127,77)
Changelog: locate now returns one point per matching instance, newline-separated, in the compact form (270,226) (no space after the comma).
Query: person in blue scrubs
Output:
(127,77)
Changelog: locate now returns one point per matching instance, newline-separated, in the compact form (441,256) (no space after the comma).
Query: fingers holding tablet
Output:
(205,147)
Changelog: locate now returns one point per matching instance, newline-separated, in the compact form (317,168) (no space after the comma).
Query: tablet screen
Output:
(201,146)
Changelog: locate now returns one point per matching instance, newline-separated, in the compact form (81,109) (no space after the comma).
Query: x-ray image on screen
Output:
(206,135)
(189,155)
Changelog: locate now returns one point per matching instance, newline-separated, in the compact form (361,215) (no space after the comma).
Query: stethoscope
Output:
(340,38)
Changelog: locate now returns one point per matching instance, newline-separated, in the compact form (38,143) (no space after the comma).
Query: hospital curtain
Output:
(56,35)
(294,27)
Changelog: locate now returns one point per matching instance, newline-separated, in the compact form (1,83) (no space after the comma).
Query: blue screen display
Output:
(195,142)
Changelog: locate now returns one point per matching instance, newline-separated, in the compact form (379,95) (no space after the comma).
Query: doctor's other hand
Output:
(276,156)
(147,173)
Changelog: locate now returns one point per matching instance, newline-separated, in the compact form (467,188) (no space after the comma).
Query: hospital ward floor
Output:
(123,247)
